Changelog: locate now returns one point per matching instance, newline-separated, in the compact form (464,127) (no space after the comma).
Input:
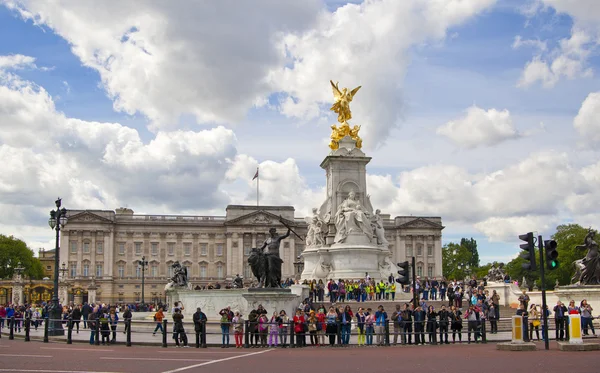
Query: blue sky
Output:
(458,123)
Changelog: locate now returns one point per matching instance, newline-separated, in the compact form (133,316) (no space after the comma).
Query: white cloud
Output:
(587,121)
(570,59)
(533,43)
(479,127)
(164,59)
(16,61)
(506,229)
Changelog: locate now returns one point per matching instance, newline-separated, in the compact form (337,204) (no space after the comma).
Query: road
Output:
(37,357)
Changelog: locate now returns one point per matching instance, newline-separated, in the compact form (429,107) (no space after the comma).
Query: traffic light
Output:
(403,273)
(551,254)
(529,253)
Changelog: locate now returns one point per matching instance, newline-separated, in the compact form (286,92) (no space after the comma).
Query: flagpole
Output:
(257,186)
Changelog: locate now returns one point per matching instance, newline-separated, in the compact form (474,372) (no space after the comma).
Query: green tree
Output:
(14,251)
(567,237)
(482,271)
(471,245)
(455,259)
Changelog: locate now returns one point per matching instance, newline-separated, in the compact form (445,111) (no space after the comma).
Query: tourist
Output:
(284,322)
(92,319)
(406,323)
(226,317)
(586,317)
(397,319)
(381,319)
(312,328)
(274,329)
(360,326)
(253,328)
(456,323)
(534,322)
(238,329)
(178,330)
(199,318)
(76,317)
(158,318)
(524,299)
(113,319)
(127,316)
(491,315)
(300,328)
(431,324)
(332,320)
(104,326)
(444,317)
(560,312)
(263,329)
(419,315)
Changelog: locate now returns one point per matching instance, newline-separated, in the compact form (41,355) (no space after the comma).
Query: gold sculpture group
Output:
(342,107)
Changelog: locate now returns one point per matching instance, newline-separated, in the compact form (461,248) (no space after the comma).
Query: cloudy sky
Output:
(483,112)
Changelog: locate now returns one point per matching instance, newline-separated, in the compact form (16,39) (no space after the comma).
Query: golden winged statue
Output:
(341,106)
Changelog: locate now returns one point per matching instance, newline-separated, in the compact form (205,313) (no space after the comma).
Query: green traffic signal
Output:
(551,254)
(529,251)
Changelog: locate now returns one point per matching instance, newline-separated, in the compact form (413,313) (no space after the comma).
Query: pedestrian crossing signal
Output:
(403,273)
(551,254)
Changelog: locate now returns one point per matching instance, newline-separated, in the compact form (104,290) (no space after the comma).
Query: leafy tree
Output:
(471,245)
(455,259)
(567,237)
(482,271)
(14,251)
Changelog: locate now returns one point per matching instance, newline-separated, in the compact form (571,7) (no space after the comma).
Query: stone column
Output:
(109,252)
(93,253)
(437,254)
(240,254)
(229,257)
(79,271)
(62,292)
(17,289)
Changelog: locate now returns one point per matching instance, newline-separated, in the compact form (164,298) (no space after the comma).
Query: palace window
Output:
(169,270)
(171,248)
(247,251)
(86,270)
(73,269)
(121,270)
(409,250)
(220,271)
(419,250)
(429,250)
(203,249)
(138,272)
(98,270)
(187,249)
(138,248)
(419,270)
(430,271)
(99,247)
(121,246)
(247,271)
(73,246)
(154,270)
(203,271)
(154,248)
(121,298)
(219,249)
(86,247)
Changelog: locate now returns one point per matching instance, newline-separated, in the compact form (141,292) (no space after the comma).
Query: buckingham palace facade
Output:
(103,248)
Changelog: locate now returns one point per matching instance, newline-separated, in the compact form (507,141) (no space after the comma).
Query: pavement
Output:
(35,357)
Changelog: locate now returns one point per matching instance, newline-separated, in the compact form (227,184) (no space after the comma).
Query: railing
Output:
(176,218)
(253,334)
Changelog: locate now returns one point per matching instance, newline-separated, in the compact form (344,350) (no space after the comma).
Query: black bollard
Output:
(97,327)
(46,329)
(566,323)
(525,329)
(203,335)
(387,333)
(164,336)
(27,327)
(339,333)
(246,334)
(292,342)
(11,333)
(128,327)
(69,331)
(483,332)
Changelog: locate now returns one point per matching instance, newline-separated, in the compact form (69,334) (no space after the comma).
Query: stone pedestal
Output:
(17,293)
(589,292)
(566,346)
(273,300)
(92,295)
(509,346)
(62,293)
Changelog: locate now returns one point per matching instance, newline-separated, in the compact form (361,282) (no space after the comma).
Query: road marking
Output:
(214,362)
(146,358)
(17,355)
(52,371)
(75,349)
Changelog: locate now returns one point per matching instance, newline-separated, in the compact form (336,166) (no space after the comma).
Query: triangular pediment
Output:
(421,223)
(87,217)
(259,217)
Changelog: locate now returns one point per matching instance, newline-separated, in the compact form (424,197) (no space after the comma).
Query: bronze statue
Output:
(266,264)
(587,270)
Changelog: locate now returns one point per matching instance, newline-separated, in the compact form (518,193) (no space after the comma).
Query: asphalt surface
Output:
(36,357)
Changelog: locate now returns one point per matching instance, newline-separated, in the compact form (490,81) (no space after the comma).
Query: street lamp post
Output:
(63,270)
(57,220)
(143,263)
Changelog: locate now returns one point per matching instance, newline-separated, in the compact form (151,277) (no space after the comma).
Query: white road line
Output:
(52,371)
(146,358)
(214,362)
(17,355)
(76,349)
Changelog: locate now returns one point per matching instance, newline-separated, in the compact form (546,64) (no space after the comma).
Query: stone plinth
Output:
(509,346)
(272,300)
(566,346)
(577,293)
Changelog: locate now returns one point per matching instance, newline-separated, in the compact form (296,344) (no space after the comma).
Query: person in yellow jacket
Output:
(377,291)
(393,290)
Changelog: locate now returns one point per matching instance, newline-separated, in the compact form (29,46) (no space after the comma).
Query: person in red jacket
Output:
(300,328)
